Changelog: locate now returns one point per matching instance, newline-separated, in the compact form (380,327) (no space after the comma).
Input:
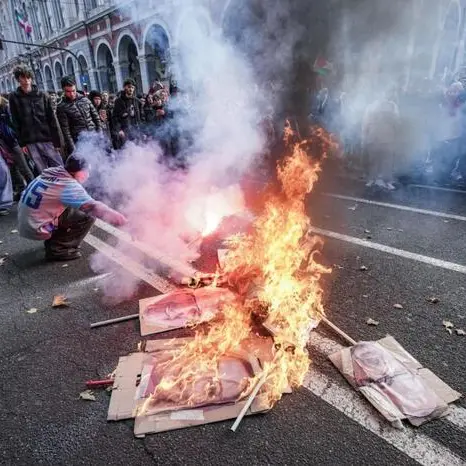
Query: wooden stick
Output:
(114,321)
(249,401)
(338,330)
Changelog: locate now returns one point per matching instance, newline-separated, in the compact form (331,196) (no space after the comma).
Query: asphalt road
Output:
(46,356)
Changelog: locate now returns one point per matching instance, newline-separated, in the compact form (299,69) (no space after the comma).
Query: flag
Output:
(23,22)
(322,66)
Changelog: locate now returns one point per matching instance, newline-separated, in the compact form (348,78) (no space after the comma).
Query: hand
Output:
(121,133)
(118,219)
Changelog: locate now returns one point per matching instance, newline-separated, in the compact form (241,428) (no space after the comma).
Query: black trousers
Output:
(73,226)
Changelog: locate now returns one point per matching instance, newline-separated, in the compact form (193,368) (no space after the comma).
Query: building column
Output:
(119,75)
(93,81)
(144,73)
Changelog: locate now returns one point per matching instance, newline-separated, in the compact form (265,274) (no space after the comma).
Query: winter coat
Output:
(7,134)
(33,118)
(126,114)
(381,123)
(76,116)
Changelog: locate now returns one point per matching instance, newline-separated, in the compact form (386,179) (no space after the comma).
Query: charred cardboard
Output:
(445,394)
(125,401)
(181,308)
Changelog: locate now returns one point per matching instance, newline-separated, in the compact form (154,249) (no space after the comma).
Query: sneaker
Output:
(69,255)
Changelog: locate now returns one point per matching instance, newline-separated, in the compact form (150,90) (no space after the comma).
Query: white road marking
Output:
(389,250)
(433,213)
(152,252)
(437,188)
(411,442)
(139,271)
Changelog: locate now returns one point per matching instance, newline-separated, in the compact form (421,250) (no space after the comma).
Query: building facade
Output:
(138,39)
(108,42)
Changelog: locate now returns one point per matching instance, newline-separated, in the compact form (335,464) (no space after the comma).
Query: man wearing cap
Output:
(126,117)
(57,209)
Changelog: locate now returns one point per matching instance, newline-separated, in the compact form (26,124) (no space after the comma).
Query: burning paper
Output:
(273,269)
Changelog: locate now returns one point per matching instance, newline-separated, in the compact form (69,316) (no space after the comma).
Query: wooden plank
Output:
(138,270)
(178,266)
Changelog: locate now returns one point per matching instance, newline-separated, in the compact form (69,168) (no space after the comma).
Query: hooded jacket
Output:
(76,116)
(33,117)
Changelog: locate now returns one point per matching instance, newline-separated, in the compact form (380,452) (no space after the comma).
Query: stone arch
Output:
(156,45)
(39,79)
(58,69)
(128,58)
(105,68)
(83,72)
(69,66)
(49,84)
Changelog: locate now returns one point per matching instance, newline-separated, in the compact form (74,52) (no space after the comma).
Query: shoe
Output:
(4,212)
(69,255)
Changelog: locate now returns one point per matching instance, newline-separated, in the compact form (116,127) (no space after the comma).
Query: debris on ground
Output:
(447,324)
(398,306)
(371,321)
(433,300)
(14,231)
(33,310)
(365,295)
(460,331)
(353,207)
(87,395)
(367,232)
(389,228)
(363,268)
(2,260)
(339,267)
(60,301)
(64,266)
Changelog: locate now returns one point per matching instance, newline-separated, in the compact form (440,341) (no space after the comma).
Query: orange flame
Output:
(272,268)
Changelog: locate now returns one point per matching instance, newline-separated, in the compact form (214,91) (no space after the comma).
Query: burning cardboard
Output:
(138,392)
(181,308)
(394,382)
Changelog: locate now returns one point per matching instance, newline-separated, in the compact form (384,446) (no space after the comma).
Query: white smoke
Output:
(221,117)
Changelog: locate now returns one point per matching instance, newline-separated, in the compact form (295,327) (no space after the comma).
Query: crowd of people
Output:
(39,130)
(399,135)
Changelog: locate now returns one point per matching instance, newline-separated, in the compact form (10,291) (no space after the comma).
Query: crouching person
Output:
(57,209)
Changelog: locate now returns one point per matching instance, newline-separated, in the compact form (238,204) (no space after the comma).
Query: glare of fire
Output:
(276,261)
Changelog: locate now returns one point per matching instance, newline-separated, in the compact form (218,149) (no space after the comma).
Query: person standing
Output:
(126,115)
(56,209)
(75,114)
(35,122)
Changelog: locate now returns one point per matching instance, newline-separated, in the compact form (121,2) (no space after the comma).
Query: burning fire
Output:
(272,269)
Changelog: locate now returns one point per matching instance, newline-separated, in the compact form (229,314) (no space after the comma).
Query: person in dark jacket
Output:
(35,122)
(102,107)
(126,116)
(9,143)
(75,114)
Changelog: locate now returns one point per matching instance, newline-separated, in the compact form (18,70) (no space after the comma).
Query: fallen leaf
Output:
(398,306)
(363,268)
(389,228)
(2,260)
(368,232)
(64,266)
(447,324)
(460,331)
(365,295)
(33,310)
(96,289)
(433,300)
(449,330)
(87,395)
(371,322)
(59,301)
(400,230)
(353,208)
(14,231)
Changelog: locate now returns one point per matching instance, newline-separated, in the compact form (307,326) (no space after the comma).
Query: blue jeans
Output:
(44,155)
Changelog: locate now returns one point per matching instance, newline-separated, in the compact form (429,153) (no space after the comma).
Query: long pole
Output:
(46,47)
